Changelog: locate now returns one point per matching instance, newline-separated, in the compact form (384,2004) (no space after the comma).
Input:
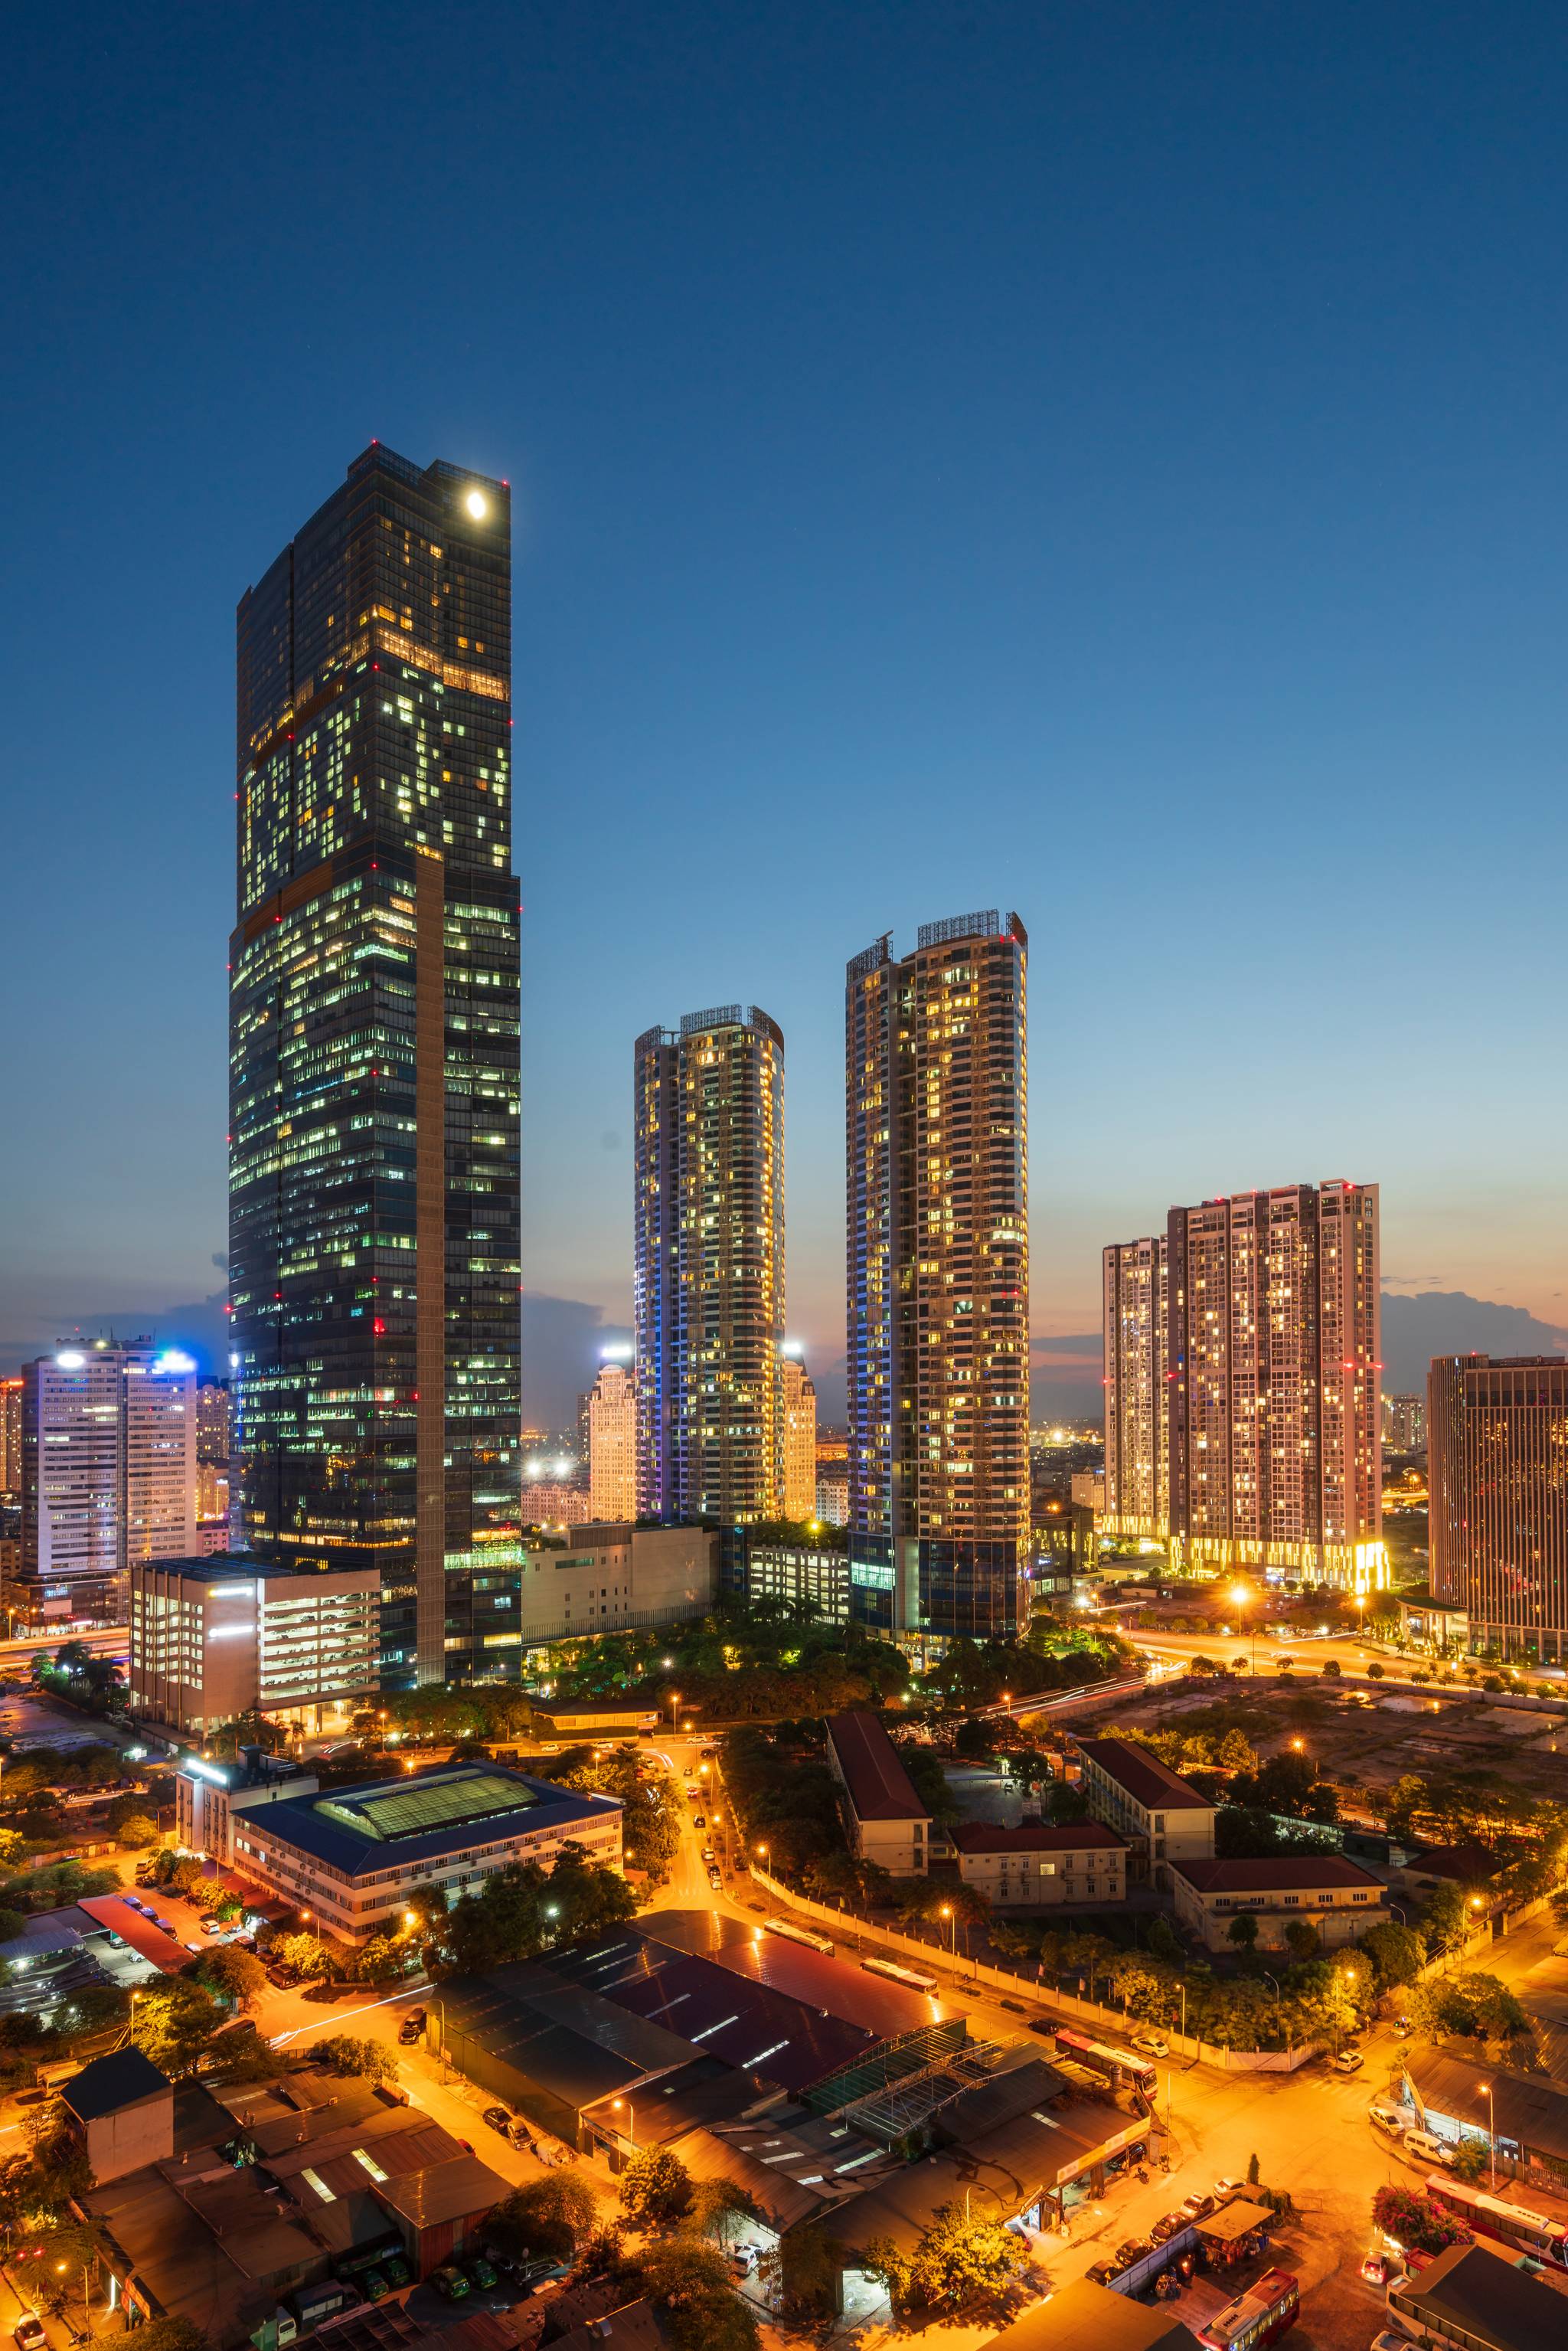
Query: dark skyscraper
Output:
(939,1281)
(373,1170)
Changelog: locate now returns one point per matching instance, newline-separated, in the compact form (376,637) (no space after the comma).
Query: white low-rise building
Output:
(216,1641)
(1163,1816)
(887,1820)
(1323,1891)
(1039,1866)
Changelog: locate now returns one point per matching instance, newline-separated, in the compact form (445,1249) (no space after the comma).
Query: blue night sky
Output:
(1107,461)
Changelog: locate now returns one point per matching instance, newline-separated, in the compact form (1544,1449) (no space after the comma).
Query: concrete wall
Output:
(1010,1985)
(123,2142)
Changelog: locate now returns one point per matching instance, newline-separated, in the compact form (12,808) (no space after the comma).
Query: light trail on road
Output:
(408,1992)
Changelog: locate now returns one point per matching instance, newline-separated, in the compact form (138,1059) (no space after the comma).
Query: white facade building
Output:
(109,1472)
(213,1640)
(612,1443)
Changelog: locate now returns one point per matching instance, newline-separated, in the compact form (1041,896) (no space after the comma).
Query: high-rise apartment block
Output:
(109,1472)
(1496,1456)
(11,1437)
(800,1473)
(612,1417)
(1242,1350)
(213,1454)
(709,1266)
(939,1281)
(373,1180)
(1404,1423)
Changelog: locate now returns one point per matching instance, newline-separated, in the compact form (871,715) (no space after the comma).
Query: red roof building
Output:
(1039,1866)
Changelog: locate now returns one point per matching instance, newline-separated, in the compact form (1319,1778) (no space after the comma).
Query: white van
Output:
(1427,2149)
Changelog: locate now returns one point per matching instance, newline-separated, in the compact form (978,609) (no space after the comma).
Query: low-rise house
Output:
(886,1822)
(1163,1816)
(1329,1892)
(1037,1867)
(122,2108)
(1524,2120)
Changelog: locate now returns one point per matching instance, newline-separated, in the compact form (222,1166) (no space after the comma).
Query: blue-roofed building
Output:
(353,1856)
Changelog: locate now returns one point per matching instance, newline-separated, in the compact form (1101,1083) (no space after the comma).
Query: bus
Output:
(800,1933)
(1265,2312)
(1118,2065)
(911,1979)
(1515,2226)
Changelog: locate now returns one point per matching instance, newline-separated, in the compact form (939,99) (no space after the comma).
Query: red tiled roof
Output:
(1286,1872)
(880,1788)
(1145,1777)
(1466,1865)
(113,1911)
(1036,1836)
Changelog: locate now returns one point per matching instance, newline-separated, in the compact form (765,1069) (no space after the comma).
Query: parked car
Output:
(1224,2188)
(479,2270)
(1170,2226)
(1131,2249)
(211,1926)
(710,1856)
(1378,2268)
(499,2120)
(450,2281)
(395,2269)
(1043,2024)
(1197,2208)
(743,2260)
(28,2333)
(699,1820)
(411,2026)
(1426,2148)
(1102,2272)
(373,2285)
(1349,2060)
(1151,2044)
(714,1880)
(1387,2118)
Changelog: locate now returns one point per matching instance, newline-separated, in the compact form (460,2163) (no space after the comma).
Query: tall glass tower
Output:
(374,1043)
(710,1267)
(937,1156)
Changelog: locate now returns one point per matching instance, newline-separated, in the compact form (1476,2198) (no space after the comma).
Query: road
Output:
(1267,1651)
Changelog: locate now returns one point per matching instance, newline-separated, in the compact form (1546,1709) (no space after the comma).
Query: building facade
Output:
(710,1267)
(808,1579)
(109,1473)
(219,1639)
(798,1498)
(885,1820)
(1163,1817)
(936,1057)
(1404,1423)
(1242,1353)
(1323,1891)
(1039,1866)
(212,1453)
(11,1438)
(612,1417)
(1497,1471)
(373,1170)
(352,1857)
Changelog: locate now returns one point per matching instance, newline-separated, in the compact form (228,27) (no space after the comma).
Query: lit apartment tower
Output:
(799,1472)
(10,1437)
(1136,1306)
(213,1450)
(109,1472)
(1496,1456)
(373,1180)
(709,1266)
(939,1281)
(611,1417)
(1404,1423)
(1265,1406)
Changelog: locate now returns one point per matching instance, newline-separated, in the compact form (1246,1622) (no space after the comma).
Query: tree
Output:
(656,2189)
(135,1832)
(1395,1953)
(1163,1942)
(1471,2007)
(547,2220)
(1300,1939)
(348,2053)
(174,2023)
(961,2256)
(1375,1672)
(1446,1918)
(1066,1803)
(231,1975)
(1415,2221)
(698,2308)
(716,2205)
(1333,1670)
(170,2334)
(304,1953)
(1243,1932)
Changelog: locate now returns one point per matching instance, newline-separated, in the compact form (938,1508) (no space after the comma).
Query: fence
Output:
(1010,1985)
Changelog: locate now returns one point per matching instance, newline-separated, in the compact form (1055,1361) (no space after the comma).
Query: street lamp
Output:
(630,2119)
(1491,2132)
(674,1709)
(1241,1597)
(947,1912)
(316,1925)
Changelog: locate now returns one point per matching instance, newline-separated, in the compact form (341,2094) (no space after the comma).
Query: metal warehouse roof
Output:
(718,2009)
(838,1985)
